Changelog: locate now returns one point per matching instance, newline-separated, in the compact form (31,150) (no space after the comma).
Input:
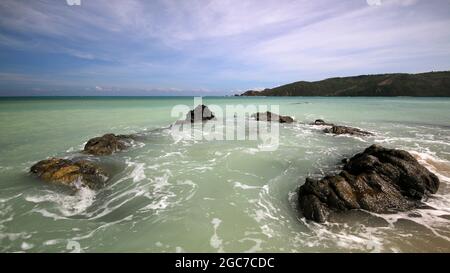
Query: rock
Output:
(200,113)
(321,122)
(269,116)
(107,144)
(70,172)
(379,180)
(339,130)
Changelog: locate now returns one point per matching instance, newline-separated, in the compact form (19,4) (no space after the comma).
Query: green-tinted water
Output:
(168,195)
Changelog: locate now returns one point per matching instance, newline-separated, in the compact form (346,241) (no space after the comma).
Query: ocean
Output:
(181,194)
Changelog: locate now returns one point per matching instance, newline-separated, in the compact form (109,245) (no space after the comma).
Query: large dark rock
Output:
(200,113)
(107,144)
(379,180)
(71,173)
(339,130)
(269,116)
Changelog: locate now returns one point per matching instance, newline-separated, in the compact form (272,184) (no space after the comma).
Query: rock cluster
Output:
(269,116)
(340,130)
(80,173)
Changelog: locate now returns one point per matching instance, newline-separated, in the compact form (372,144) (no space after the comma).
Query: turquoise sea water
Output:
(169,194)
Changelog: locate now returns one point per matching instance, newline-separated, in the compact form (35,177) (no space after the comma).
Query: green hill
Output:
(431,84)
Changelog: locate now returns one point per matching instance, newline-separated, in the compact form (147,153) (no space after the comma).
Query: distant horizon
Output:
(212,47)
(214,95)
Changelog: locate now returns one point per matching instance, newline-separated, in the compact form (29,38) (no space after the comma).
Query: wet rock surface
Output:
(379,180)
(74,173)
(321,122)
(269,116)
(340,130)
(107,144)
(200,113)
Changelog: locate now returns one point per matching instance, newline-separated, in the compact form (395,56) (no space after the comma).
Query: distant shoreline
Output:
(428,84)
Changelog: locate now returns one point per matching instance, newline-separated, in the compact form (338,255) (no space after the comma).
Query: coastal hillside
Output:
(431,84)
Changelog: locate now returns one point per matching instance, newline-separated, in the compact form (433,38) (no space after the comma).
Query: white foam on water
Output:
(53,242)
(156,189)
(26,246)
(203,169)
(76,148)
(434,164)
(251,151)
(160,194)
(244,186)
(359,138)
(5,200)
(138,173)
(15,236)
(66,205)
(137,144)
(159,204)
(265,212)
(215,240)
(390,140)
(179,249)
(154,167)
(342,236)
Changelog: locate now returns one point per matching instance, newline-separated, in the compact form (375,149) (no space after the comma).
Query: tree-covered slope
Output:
(431,84)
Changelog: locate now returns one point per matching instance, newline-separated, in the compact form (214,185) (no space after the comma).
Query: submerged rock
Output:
(379,180)
(200,113)
(321,122)
(71,173)
(340,130)
(269,116)
(107,144)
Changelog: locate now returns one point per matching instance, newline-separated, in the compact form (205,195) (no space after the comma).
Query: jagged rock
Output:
(200,113)
(339,130)
(379,180)
(71,173)
(107,144)
(269,116)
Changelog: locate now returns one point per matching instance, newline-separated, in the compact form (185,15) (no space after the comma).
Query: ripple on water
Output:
(63,204)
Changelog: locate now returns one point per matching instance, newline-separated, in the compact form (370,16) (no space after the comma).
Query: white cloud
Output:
(207,43)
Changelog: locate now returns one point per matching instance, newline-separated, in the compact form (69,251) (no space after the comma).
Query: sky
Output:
(206,47)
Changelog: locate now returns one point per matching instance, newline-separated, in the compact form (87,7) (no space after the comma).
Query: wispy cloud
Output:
(215,46)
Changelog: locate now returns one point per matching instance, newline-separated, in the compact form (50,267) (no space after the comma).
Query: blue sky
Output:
(188,47)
